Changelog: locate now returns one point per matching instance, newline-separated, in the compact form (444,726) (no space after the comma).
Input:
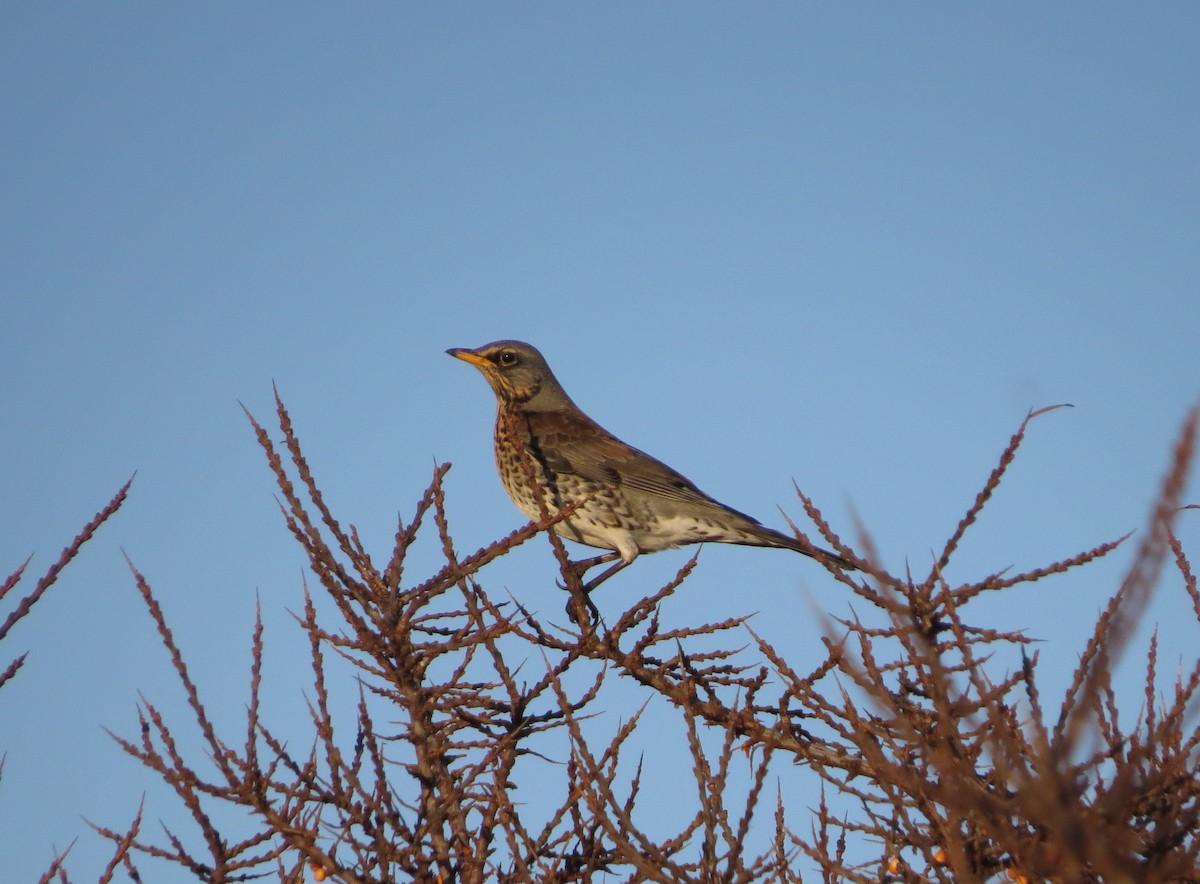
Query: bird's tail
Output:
(771,537)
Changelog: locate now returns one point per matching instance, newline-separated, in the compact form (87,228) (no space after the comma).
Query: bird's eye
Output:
(508,357)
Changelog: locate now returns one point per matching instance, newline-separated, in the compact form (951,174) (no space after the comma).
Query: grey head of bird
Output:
(518,374)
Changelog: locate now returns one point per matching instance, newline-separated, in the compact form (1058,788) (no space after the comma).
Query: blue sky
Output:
(850,245)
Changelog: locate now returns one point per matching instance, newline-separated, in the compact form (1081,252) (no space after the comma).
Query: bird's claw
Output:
(582,603)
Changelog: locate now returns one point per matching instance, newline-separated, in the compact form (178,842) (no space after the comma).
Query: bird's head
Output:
(517,373)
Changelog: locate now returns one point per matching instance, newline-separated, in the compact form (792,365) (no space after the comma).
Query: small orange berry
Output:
(318,872)
(939,857)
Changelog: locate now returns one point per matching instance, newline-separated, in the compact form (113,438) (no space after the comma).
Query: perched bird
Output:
(547,448)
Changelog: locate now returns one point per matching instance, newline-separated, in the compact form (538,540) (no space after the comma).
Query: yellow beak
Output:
(469,356)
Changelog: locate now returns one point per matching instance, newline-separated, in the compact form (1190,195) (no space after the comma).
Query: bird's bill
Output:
(469,356)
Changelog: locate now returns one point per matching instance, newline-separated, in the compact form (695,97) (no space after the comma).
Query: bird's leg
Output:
(573,606)
(574,572)
(606,573)
(578,569)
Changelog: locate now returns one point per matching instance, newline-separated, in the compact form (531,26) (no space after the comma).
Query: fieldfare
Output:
(628,501)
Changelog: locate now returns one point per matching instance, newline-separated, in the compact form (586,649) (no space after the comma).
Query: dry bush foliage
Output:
(931,764)
(25,604)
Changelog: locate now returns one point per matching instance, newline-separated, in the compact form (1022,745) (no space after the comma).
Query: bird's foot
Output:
(581,610)
(580,602)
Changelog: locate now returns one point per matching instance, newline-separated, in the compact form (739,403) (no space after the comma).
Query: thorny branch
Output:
(478,750)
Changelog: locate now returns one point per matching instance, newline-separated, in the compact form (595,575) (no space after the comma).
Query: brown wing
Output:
(574,443)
